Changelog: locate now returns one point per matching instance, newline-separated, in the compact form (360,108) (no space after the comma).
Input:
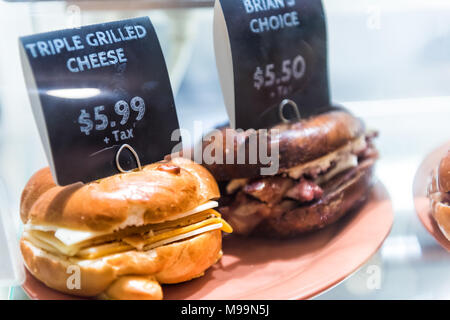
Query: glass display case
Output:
(388,64)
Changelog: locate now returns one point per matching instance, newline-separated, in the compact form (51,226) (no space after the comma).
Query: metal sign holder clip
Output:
(127,146)
(283,104)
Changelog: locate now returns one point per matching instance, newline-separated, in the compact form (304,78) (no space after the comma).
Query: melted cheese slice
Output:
(141,243)
(340,155)
(158,235)
(152,242)
(347,162)
(72,237)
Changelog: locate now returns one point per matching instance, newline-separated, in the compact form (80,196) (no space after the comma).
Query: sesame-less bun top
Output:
(157,193)
(444,174)
(299,142)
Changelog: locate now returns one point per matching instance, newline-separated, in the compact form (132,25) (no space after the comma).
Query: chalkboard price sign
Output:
(94,89)
(267,52)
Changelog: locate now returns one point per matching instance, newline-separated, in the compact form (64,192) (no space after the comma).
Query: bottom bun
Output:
(128,275)
(343,195)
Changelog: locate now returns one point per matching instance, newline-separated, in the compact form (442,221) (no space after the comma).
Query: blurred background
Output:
(389,62)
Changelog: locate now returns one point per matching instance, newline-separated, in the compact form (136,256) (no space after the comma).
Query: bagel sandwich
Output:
(439,195)
(325,170)
(126,234)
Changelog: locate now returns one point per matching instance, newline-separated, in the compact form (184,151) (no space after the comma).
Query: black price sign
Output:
(268,51)
(95,89)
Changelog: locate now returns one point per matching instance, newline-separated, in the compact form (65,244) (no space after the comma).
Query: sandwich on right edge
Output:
(326,166)
(439,195)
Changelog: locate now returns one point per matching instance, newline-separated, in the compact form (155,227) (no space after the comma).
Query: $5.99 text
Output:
(100,121)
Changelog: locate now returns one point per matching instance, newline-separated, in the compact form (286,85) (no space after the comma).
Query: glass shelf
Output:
(383,65)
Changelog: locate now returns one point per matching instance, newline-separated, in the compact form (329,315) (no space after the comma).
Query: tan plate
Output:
(295,269)
(421,202)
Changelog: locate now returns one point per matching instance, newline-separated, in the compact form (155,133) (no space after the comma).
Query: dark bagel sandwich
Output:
(325,170)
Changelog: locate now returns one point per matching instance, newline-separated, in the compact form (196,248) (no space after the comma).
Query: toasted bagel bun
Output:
(155,194)
(127,275)
(438,193)
(444,174)
(299,143)
(306,140)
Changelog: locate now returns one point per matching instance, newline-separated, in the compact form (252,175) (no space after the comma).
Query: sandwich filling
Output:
(438,201)
(92,245)
(435,192)
(442,197)
(247,202)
